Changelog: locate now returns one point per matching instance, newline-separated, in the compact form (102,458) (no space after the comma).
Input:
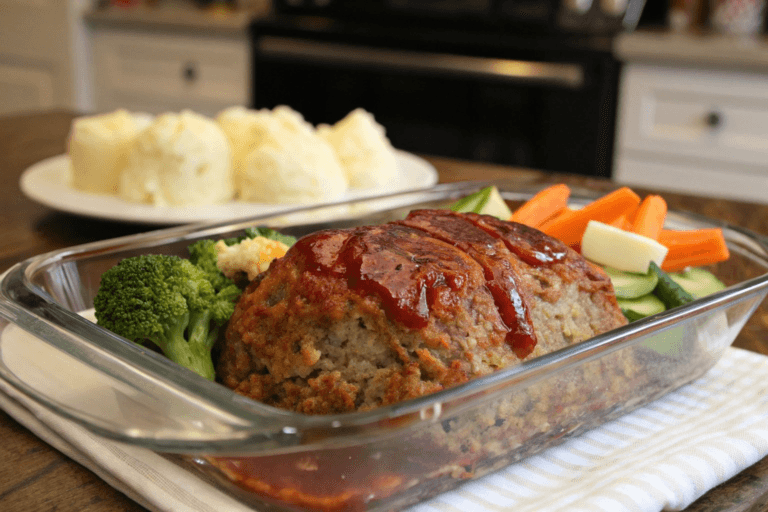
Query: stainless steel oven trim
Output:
(568,75)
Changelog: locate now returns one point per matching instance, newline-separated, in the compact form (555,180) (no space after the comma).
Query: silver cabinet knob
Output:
(614,7)
(578,6)
(714,119)
(190,72)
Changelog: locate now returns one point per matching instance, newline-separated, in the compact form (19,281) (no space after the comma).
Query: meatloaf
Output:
(353,319)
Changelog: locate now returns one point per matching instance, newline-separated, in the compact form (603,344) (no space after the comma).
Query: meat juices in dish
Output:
(359,318)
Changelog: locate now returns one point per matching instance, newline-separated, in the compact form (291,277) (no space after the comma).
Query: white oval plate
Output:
(46,182)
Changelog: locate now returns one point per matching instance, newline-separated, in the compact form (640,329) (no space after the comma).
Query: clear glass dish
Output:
(386,458)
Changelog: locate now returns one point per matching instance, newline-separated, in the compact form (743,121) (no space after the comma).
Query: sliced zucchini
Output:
(698,282)
(487,201)
(670,293)
(472,202)
(631,285)
(641,307)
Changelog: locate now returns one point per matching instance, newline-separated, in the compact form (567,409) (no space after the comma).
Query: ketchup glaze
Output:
(419,265)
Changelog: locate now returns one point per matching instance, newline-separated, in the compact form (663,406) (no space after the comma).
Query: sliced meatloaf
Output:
(359,318)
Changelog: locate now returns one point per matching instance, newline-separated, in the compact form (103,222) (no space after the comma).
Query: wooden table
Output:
(35,477)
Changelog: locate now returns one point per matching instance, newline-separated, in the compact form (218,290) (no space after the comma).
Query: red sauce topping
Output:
(410,271)
(336,479)
(491,253)
(417,266)
(529,244)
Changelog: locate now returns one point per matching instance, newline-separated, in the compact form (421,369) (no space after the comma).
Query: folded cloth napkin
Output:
(660,457)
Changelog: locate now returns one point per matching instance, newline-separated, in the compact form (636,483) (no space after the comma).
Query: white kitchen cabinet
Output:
(43,55)
(693,130)
(157,71)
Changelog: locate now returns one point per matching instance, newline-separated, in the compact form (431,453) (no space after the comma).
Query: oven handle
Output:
(567,75)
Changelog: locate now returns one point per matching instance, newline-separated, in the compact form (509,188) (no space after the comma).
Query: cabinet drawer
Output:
(708,115)
(726,181)
(147,71)
(24,88)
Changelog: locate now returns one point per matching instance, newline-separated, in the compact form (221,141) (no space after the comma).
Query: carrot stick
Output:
(692,248)
(631,216)
(622,222)
(563,213)
(686,238)
(542,206)
(681,261)
(649,219)
(570,226)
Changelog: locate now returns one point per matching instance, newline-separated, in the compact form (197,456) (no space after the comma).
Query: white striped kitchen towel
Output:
(660,457)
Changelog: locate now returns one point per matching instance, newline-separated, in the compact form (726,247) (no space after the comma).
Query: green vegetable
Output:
(671,290)
(669,342)
(203,254)
(271,234)
(631,285)
(670,293)
(635,309)
(487,201)
(473,202)
(265,232)
(168,301)
(698,282)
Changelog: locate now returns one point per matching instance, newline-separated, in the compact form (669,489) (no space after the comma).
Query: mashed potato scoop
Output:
(363,149)
(181,159)
(98,148)
(280,158)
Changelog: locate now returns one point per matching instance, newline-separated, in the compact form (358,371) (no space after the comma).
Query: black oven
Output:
(448,88)
(575,16)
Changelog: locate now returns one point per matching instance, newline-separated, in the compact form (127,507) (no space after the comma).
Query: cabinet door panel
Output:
(24,89)
(157,72)
(713,115)
(656,172)
(35,60)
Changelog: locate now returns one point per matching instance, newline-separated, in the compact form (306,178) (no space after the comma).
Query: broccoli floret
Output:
(271,234)
(256,232)
(203,255)
(168,301)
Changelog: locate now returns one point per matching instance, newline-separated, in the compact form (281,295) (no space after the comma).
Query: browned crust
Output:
(315,343)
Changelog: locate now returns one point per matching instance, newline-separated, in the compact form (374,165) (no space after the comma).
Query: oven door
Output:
(545,114)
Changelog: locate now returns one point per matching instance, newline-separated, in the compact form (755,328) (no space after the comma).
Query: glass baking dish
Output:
(382,459)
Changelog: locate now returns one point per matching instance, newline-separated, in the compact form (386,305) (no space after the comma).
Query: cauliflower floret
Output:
(252,256)
(180,159)
(365,153)
(98,149)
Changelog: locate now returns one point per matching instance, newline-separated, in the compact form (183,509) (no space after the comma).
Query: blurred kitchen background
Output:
(669,94)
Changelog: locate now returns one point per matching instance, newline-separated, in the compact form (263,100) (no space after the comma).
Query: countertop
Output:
(175,16)
(35,477)
(693,48)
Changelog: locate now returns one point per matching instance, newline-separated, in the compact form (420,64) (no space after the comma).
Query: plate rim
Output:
(117,209)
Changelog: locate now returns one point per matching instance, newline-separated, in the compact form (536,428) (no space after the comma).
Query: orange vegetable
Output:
(565,212)
(569,227)
(622,223)
(543,206)
(693,248)
(649,218)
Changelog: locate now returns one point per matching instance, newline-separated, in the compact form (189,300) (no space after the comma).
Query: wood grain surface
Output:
(36,477)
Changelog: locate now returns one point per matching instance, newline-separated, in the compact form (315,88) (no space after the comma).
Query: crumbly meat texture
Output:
(355,319)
